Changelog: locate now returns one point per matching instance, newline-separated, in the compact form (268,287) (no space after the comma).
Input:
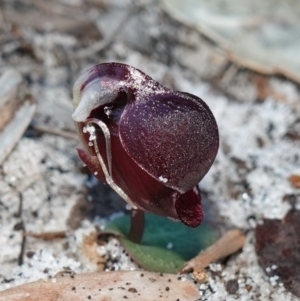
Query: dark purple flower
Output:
(152,145)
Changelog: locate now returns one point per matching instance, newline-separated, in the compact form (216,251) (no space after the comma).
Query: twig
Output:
(230,243)
(47,235)
(57,132)
(229,74)
(20,209)
(22,228)
(103,44)
(259,68)
(22,251)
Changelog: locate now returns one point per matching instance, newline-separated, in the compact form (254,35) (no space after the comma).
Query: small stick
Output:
(229,74)
(104,44)
(22,228)
(22,250)
(231,242)
(20,209)
(57,132)
(47,235)
(23,247)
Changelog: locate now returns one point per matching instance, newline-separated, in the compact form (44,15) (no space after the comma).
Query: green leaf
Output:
(160,233)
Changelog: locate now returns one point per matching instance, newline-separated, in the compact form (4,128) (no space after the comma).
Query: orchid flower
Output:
(151,144)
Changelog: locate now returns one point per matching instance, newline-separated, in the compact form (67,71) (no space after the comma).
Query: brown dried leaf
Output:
(121,285)
(228,244)
(278,245)
(242,46)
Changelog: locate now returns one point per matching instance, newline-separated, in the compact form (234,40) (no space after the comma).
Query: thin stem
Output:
(137,225)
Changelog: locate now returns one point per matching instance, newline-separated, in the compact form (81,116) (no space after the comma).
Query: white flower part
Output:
(91,130)
(107,111)
(95,93)
(108,171)
(162,179)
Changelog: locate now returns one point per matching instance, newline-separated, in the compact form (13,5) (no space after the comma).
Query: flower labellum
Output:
(152,145)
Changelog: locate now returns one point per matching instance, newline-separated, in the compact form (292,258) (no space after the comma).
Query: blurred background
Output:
(50,43)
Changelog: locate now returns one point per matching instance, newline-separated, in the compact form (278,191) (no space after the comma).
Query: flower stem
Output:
(137,225)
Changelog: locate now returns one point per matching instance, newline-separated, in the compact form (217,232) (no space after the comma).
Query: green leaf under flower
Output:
(166,245)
